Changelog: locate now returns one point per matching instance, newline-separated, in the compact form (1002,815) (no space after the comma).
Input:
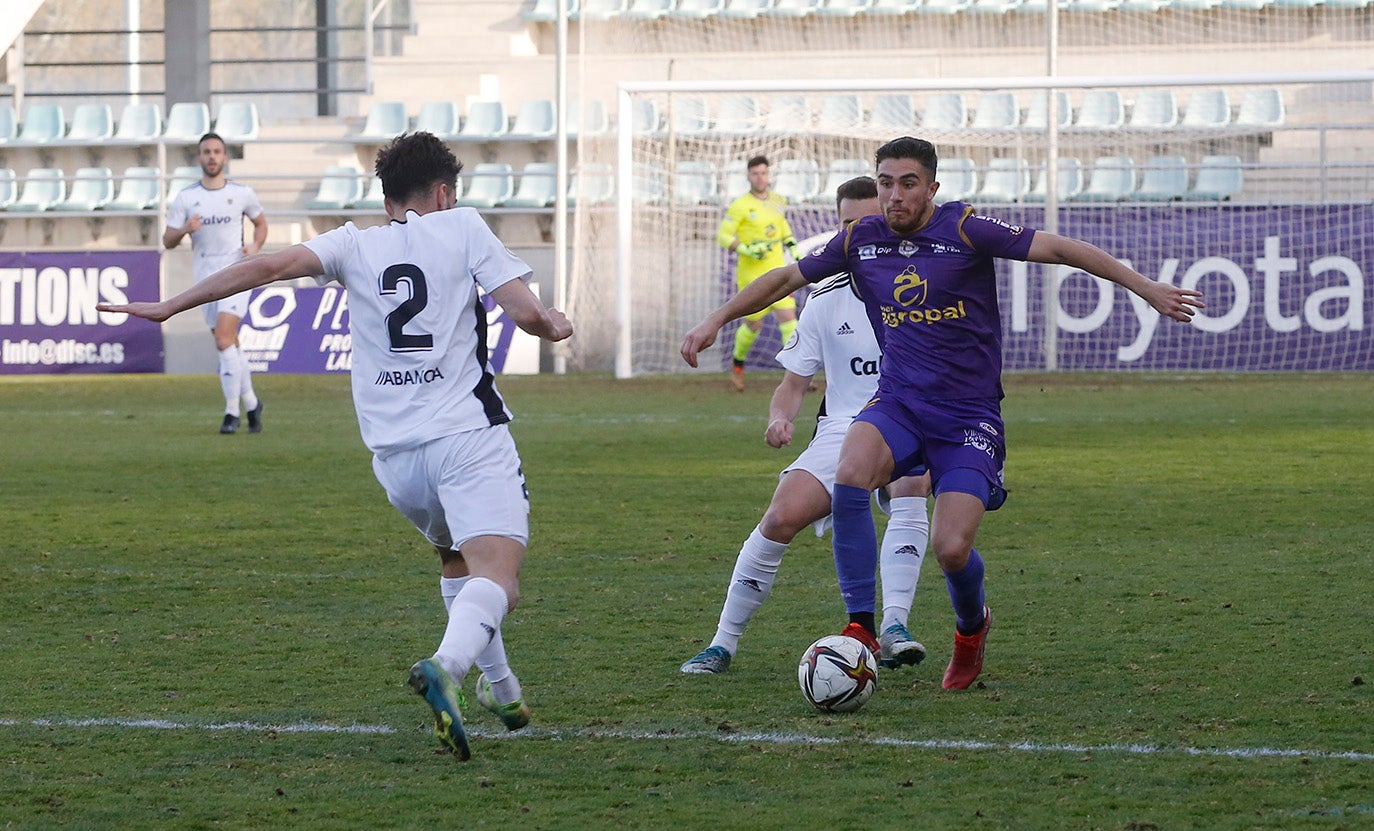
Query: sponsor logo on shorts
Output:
(406,377)
(987,428)
(980,441)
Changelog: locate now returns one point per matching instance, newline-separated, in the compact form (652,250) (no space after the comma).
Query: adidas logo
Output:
(750,583)
(844,329)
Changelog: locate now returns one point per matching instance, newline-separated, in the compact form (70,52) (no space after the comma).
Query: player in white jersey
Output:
(834,334)
(427,404)
(211,212)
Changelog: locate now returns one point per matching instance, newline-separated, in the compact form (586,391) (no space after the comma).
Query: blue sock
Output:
(966,593)
(856,548)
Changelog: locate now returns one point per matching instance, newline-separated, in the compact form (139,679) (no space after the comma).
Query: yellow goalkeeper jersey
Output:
(751,219)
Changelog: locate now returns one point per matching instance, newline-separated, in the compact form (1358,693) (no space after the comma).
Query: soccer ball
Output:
(837,674)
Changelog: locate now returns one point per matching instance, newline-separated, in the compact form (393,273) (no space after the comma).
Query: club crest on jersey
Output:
(907,248)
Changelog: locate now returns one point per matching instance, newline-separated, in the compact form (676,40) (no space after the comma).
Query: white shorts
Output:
(821,458)
(459,487)
(236,305)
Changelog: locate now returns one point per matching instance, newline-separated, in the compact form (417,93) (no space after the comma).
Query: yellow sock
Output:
(744,341)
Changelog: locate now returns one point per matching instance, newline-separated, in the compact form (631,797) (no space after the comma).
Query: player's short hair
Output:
(860,187)
(756,161)
(413,163)
(906,147)
(211,135)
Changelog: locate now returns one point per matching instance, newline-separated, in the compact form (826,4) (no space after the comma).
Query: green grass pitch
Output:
(213,631)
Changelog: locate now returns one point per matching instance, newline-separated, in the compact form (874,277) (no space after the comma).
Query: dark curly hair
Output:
(413,163)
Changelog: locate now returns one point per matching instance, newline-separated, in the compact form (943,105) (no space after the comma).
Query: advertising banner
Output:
(48,321)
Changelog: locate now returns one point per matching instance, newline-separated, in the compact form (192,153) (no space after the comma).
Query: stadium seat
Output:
(138,190)
(894,7)
(1218,178)
(787,114)
(1101,109)
(372,199)
(1346,4)
(1146,6)
(9,123)
(995,6)
(794,8)
(1246,5)
(893,114)
(182,178)
(650,184)
(798,180)
(593,183)
(996,111)
(1112,179)
(843,8)
(1006,180)
(587,118)
(736,180)
(841,171)
(187,121)
(9,189)
(438,117)
(958,178)
(1207,109)
(1261,107)
(647,9)
(738,114)
(942,6)
(385,121)
(1037,113)
(1091,6)
(92,188)
(1154,109)
(601,10)
(546,11)
(485,121)
(747,9)
(139,123)
(944,111)
(1069,185)
(43,124)
(694,183)
(491,184)
(697,9)
(237,121)
(840,113)
(645,118)
(1193,5)
(340,187)
(91,124)
(43,188)
(537,187)
(533,121)
(1163,179)
(688,116)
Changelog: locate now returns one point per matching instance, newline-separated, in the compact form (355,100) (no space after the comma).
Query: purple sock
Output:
(966,593)
(856,548)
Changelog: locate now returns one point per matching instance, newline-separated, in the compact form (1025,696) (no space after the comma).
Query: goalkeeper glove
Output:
(757,250)
(791,245)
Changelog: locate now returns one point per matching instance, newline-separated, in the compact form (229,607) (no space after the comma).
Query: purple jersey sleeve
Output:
(996,238)
(830,259)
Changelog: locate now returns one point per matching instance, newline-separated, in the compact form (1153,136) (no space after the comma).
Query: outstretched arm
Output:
(287,264)
(530,313)
(783,408)
(1170,301)
(757,296)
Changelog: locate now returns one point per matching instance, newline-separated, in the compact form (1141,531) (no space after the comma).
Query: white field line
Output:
(731,738)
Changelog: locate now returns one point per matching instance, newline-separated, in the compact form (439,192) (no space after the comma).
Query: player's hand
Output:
(699,338)
(562,327)
(156,312)
(779,433)
(756,250)
(1172,301)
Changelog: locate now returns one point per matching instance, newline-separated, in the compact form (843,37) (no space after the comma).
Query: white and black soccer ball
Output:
(837,674)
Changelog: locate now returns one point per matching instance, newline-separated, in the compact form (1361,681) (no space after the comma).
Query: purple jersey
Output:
(932,298)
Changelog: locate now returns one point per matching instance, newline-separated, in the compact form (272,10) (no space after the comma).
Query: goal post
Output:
(1249,186)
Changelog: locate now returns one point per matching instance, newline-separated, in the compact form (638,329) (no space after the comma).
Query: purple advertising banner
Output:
(48,321)
(306,330)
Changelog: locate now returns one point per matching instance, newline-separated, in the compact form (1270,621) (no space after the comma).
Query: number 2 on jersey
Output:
(401,341)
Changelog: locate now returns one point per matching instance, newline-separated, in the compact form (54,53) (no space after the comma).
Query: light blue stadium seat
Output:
(738,114)
(587,118)
(43,124)
(601,10)
(893,114)
(1102,109)
(491,184)
(592,184)
(1261,107)
(340,187)
(139,123)
(996,111)
(538,186)
(647,9)
(138,190)
(645,117)
(694,183)
(485,121)
(1208,109)
(894,7)
(942,6)
(650,184)
(1091,6)
(1070,182)
(840,171)
(533,121)
(1163,179)
(746,9)
(373,199)
(944,111)
(958,178)
(1006,180)
(91,124)
(736,180)
(187,121)
(546,11)
(43,188)
(840,113)
(1218,178)
(1146,6)
(9,188)
(688,115)
(385,121)
(787,114)
(92,188)
(9,123)
(798,180)
(844,8)
(1246,5)
(1193,5)
(1111,179)
(237,121)
(182,177)
(697,9)
(794,8)
(995,6)
(438,117)
(1037,112)
(1346,4)
(1154,109)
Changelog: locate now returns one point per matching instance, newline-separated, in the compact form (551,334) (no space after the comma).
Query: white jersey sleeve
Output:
(840,339)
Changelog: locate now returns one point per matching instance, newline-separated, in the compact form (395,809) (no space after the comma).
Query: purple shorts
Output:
(964,439)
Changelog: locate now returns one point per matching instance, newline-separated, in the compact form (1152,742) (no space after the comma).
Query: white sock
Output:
(230,368)
(752,580)
(250,398)
(492,661)
(449,588)
(473,621)
(899,561)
